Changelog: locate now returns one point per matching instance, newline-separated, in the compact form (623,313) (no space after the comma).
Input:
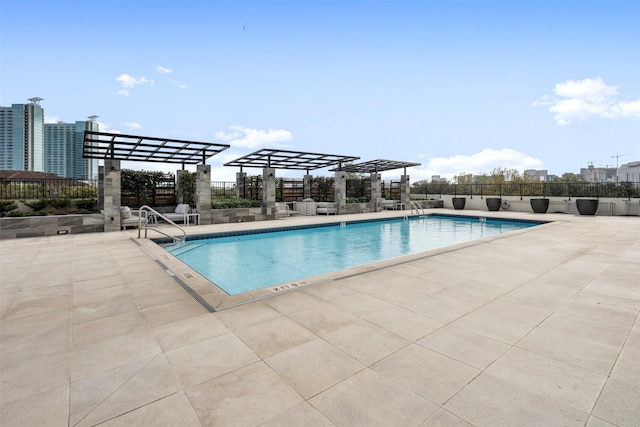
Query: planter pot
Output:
(587,206)
(539,205)
(458,202)
(493,203)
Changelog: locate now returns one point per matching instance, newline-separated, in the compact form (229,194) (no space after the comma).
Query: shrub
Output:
(230,203)
(7,206)
(357,200)
(87,204)
(36,213)
(59,203)
(36,205)
(15,213)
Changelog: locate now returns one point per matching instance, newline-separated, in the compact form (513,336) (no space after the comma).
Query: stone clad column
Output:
(179,174)
(240,186)
(307,183)
(340,191)
(269,192)
(376,191)
(101,188)
(112,197)
(203,193)
(405,190)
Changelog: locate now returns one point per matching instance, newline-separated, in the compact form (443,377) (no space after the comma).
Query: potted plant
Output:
(539,205)
(587,206)
(458,202)
(494,203)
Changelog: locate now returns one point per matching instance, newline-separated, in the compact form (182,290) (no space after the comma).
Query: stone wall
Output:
(33,226)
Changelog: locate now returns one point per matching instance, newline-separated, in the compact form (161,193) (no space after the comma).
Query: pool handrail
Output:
(147,210)
(415,206)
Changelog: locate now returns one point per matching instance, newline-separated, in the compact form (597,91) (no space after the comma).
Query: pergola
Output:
(270,159)
(287,159)
(114,147)
(136,148)
(378,165)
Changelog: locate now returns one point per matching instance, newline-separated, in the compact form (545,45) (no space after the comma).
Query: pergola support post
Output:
(307,184)
(340,191)
(376,191)
(240,186)
(269,192)
(203,193)
(405,190)
(179,174)
(112,198)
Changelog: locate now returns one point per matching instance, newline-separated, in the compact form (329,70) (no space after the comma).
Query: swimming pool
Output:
(250,260)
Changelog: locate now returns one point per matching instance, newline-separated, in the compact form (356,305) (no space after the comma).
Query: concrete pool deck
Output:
(539,327)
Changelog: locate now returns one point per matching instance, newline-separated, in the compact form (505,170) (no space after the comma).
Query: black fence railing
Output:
(47,188)
(223,189)
(542,189)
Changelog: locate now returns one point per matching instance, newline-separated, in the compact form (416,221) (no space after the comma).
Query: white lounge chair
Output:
(326,208)
(180,214)
(282,210)
(129,219)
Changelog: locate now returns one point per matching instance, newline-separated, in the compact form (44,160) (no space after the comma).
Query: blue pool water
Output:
(244,262)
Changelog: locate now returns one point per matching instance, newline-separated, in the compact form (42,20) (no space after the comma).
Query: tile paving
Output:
(539,327)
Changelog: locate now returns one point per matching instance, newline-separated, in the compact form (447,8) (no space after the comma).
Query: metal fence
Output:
(223,189)
(46,188)
(543,189)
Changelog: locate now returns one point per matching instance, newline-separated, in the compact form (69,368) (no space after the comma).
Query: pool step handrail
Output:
(147,210)
(415,206)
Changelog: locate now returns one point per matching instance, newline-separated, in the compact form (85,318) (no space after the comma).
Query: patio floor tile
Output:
(313,367)
(247,396)
(370,399)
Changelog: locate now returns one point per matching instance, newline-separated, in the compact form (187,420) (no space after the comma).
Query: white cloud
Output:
(133,125)
(483,162)
(253,138)
(163,70)
(129,82)
(582,99)
(177,83)
(51,119)
(104,127)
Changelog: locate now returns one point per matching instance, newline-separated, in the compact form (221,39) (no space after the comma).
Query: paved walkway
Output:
(539,328)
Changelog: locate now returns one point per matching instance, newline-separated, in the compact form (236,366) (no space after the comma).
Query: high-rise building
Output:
(22,136)
(541,175)
(63,150)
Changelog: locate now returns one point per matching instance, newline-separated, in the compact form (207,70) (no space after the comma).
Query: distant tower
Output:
(22,136)
(64,149)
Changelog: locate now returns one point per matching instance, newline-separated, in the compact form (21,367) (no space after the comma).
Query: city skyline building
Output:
(63,149)
(27,143)
(22,136)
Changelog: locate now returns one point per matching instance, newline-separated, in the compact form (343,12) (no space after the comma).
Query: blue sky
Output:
(459,86)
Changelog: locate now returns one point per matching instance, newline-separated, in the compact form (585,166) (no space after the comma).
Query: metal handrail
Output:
(146,210)
(415,206)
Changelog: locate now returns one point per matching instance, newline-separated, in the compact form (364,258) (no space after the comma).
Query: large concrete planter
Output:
(493,203)
(459,202)
(587,206)
(539,205)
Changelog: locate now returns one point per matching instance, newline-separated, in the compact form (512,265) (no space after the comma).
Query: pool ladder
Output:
(415,207)
(149,212)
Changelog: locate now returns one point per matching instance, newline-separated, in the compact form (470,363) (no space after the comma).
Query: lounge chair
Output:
(282,210)
(326,208)
(180,214)
(388,204)
(129,219)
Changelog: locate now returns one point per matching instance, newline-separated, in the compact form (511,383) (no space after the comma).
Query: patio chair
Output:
(282,210)
(180,214)
(129,219)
